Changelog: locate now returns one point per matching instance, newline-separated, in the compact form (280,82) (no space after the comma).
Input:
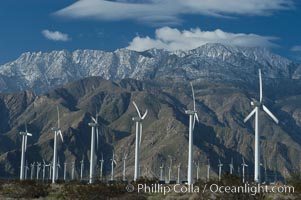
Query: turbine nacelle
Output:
(25,133)
(55,129)
(190,112)
(255,103)
(93,124)
(136,119)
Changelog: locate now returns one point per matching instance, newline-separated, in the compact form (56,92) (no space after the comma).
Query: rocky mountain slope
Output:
(221,133)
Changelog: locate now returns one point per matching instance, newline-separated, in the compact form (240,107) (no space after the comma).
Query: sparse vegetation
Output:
(24,189)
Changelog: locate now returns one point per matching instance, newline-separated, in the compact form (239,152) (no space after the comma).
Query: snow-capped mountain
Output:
(41,71)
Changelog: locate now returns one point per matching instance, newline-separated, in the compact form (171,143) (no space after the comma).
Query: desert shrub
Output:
(295,181)
(93,191)
(25,189)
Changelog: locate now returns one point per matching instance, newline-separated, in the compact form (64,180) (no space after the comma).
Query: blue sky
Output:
(35,25)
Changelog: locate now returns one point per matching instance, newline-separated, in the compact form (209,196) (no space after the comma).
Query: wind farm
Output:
(164,174)
(191,133)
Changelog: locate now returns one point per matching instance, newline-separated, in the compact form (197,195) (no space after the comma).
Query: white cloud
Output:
(160,12)
(174,39)
(55,35)
(296,48)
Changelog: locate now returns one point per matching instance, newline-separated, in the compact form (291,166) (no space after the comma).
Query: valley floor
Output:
(142,190)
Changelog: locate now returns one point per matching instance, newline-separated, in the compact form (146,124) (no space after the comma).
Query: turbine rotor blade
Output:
(96,115)
(250,115)
(25,143)
(193,123)
(60,133)
(29,134)
(193,96)
(137,109)
(58,116)
(93,119)
(197,117)
(140,130)
(97,137)
(144,114)
(260,86)
(270,114)
(26,127)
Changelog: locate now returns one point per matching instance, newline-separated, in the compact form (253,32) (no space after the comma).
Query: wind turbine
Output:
(38,169)
(43,170)
(50,170)
(192,117)
(197,165)
(58,167)
(258,106)
(179,168)
(23,148)
(94,128)
(220,165)
(65,170)
(57,131)
(208,169)
(169,169)
(72,170)
(81,169)
(125,156)
(243,169)
(138,121)
(26,170)
(161,171)
(113,161)
(231,166)
(101,165)
(32,170)
(146,172)
(265,173)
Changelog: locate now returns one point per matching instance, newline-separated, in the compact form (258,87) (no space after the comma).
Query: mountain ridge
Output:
(43,71)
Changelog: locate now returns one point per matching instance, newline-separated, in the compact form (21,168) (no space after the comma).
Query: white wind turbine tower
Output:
(161,172)
(94,129)
(43,170)
(138,121)
(101,165)
(231,166)
(125,156)
(179,168)
(146,171)
(65,170)
(72,170)
(57,170)
(57,131)
(81,169)
(197,165)
(38,169)
(113,161)
(258,106)
(192,117)
(169,169)
(23,149)
(32,170)
(243,169)
(208,169)
(26,170)
(220,165)
(50,170)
